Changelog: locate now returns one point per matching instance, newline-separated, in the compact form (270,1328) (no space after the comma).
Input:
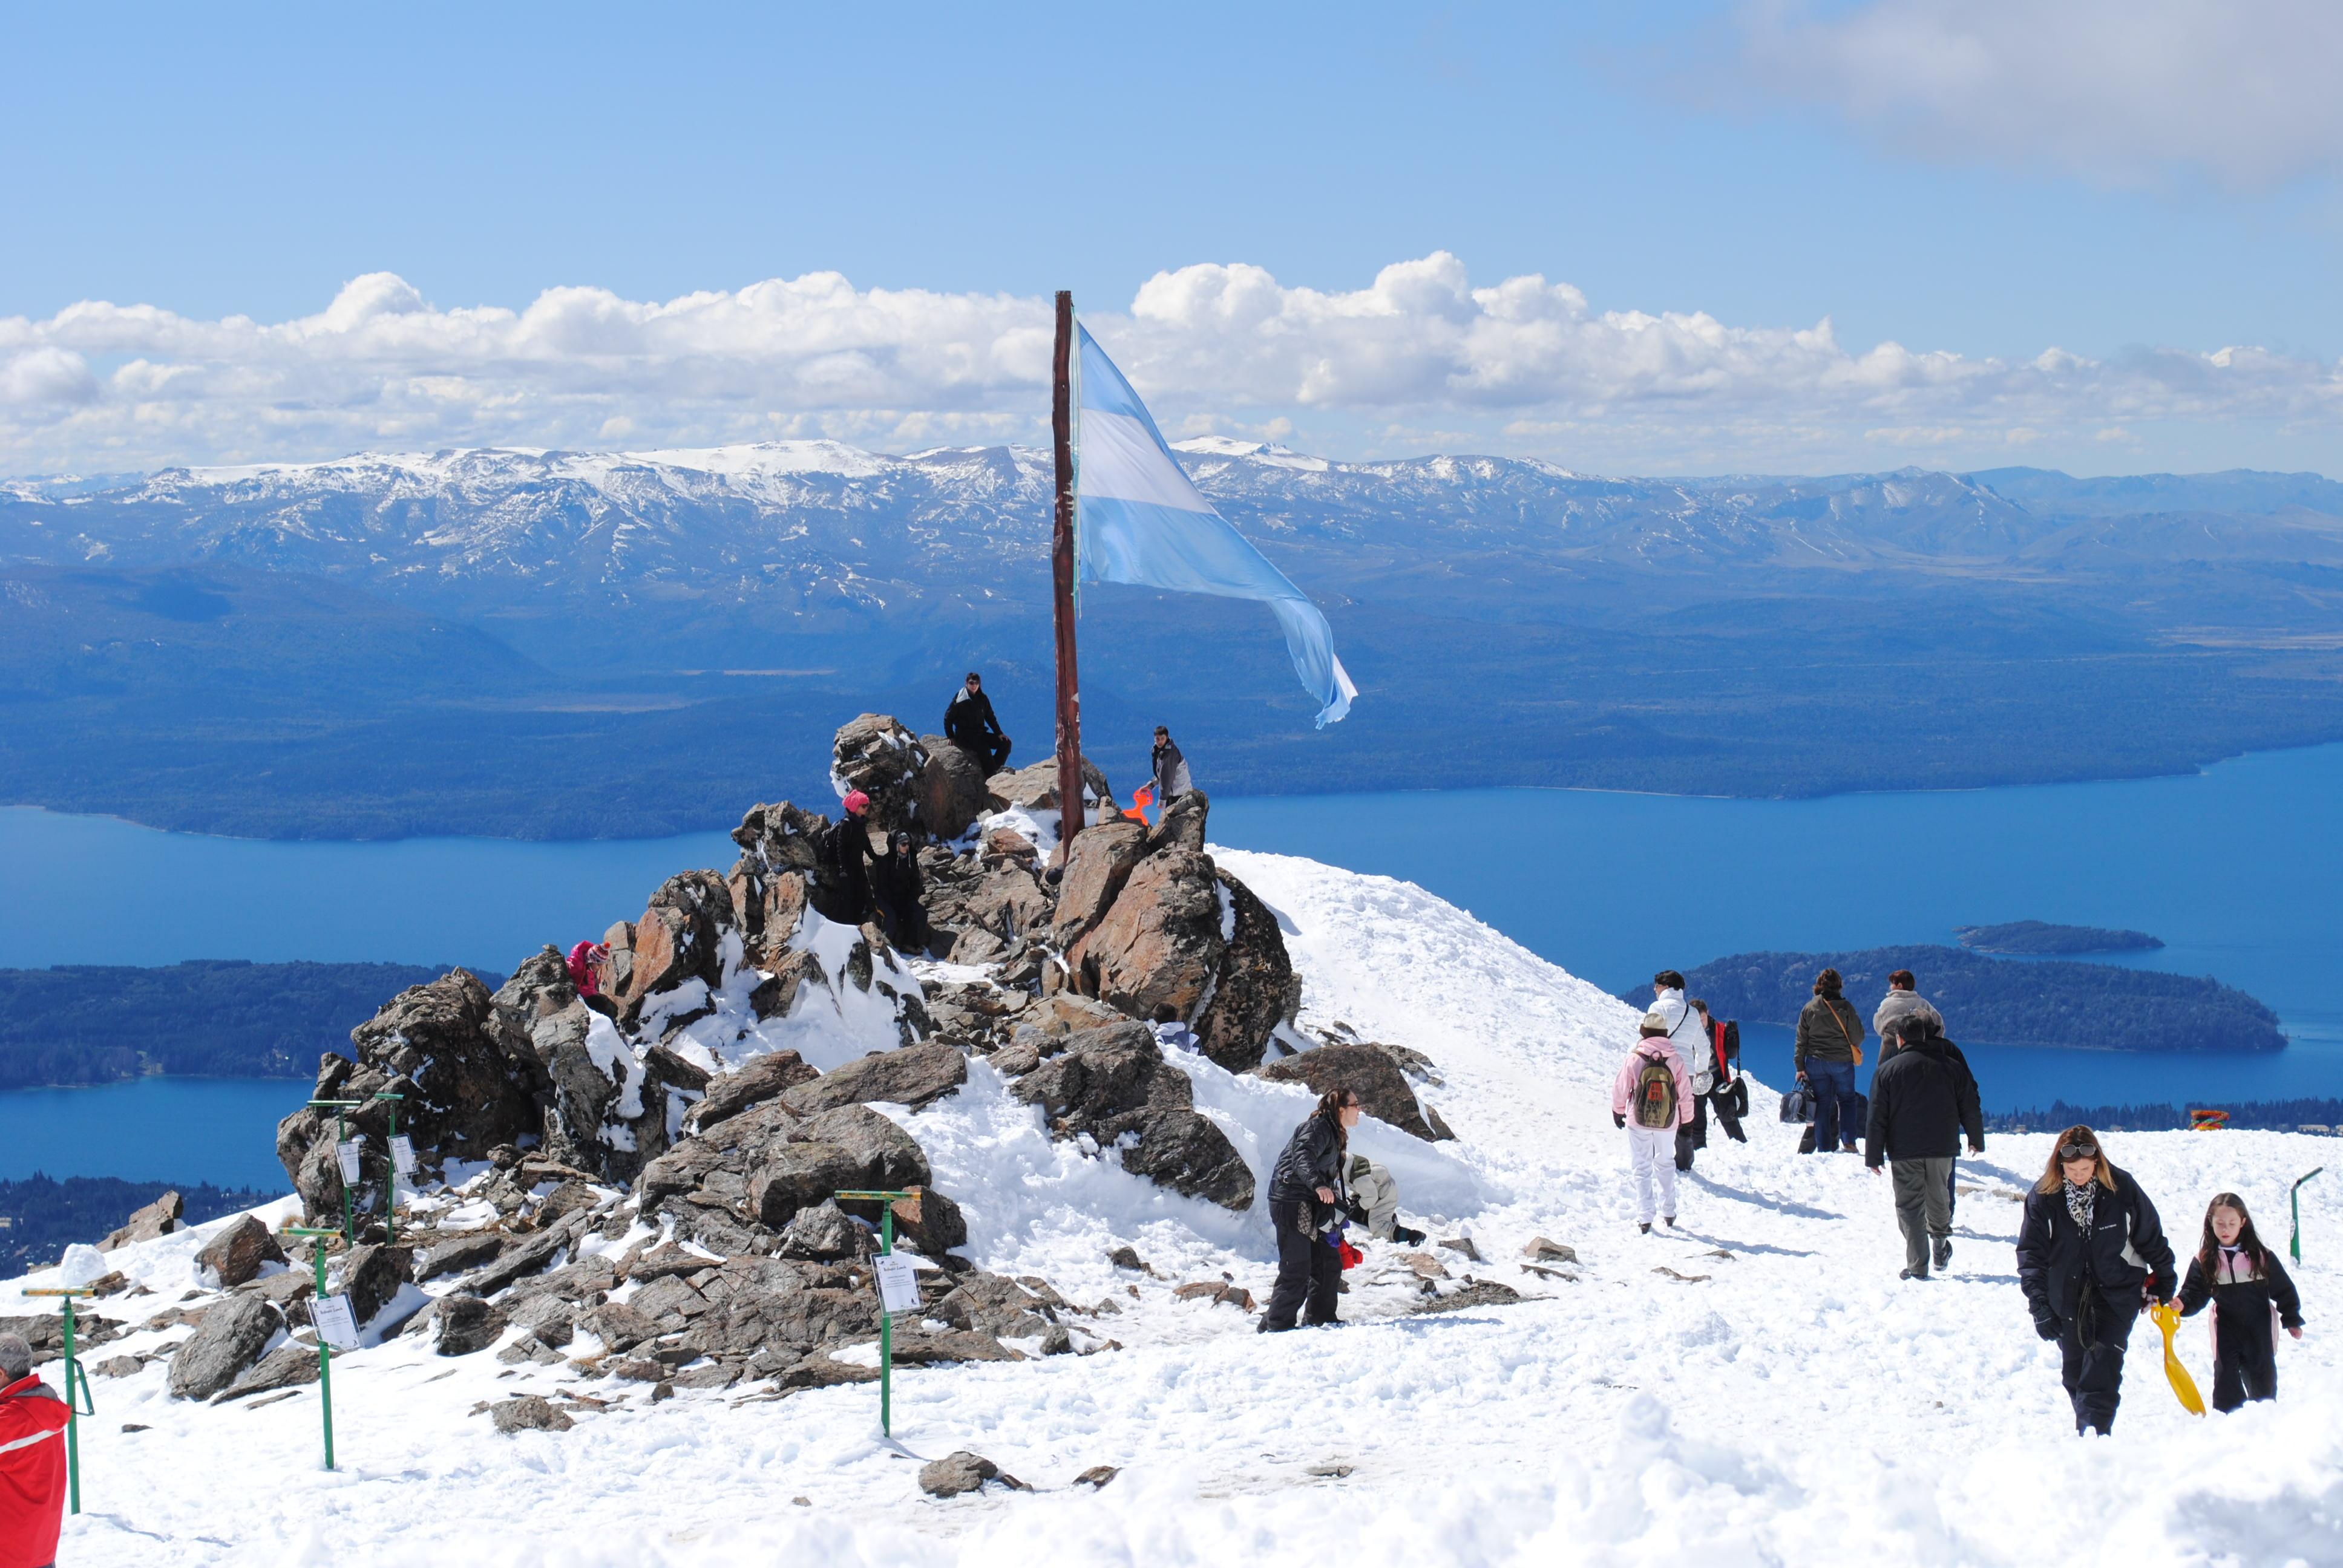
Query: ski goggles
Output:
(2078,1151)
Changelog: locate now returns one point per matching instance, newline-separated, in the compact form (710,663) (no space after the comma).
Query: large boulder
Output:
(1034,787)
(468,1079)
(234,1334)
(951,793)
(1100,863)
(887,762)
(912,1075)
(768,884)
(464,1325)
(372,1277)
(1158,947)
(234,1256)
(1181,825)
(159,1218)
(678,940)
(735,1186)
(1115,1085)
(1367,1071)
(761,1078)
(1253,990)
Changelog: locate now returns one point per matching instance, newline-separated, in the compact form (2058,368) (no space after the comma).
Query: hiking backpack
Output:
(1656,1095)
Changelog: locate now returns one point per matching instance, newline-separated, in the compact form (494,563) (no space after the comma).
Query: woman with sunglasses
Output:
(2091,1250)
(1305,1202)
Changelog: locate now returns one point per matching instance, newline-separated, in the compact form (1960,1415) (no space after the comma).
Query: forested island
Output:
(2003,1001)
(2027,939)
(90,1023)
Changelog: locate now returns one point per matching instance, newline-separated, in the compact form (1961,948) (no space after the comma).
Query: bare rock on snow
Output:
(882,758)
(1218,1291)
(758,1169)
(678,940)
(1034,787)
(1473,1294)
(581,1098)
(1100,862)
(1097,1475)
(765,1078)
(1112,1083)
(912,1075)
(1546,1251)
(290,1365)
(1464,1244)
(1181,825)
(920,1347)
(458,1253)
(234,1257)
(528,1413)
(994,1304)
(465,1324)
(1366,1071)
(1008,904)
(1423,1265)
(159,1218)
(824,1233)
(1127,1257)
(372,1277)
(231,1338)
(965,1472)
(1158,950)
(951,789)
(1254,989)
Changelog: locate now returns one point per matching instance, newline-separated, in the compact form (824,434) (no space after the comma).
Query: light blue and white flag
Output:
(1141,521)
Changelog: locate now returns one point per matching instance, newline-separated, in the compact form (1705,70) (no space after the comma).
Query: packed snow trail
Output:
(1778,1398)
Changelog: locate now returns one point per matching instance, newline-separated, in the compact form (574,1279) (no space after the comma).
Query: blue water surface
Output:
(192,1129)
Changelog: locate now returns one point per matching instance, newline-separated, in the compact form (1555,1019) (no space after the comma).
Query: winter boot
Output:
(1670,1219)
(1910,1274)
(1645,1226)
(1944,1252)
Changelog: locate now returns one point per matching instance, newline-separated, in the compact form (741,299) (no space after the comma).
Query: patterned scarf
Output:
(2079,1202)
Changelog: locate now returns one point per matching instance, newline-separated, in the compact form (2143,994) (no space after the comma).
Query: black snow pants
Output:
(2093,1372)
(1306,1267)
(2245,1361)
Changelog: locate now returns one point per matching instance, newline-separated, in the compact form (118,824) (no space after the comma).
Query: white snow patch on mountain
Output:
(1755,1387)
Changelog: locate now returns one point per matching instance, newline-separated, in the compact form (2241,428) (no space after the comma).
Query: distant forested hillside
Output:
(2001,1001)
(2245,1115)
(88,1023)
(44,1216)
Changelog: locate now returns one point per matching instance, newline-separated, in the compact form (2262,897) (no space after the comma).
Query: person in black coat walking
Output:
(1305,1202)
(1922,1099)
(2090,1246)
(2247,1288)
(969,724)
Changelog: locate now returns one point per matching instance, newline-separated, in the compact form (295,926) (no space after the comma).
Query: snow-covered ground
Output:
(1756,1388)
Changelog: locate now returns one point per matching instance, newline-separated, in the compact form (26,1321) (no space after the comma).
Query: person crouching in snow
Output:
(1374,1202)
(1305,1198)
(2249,1294)
(32,1461)
(1651,1099)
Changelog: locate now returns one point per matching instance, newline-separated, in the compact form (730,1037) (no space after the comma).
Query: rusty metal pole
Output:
(1061,571)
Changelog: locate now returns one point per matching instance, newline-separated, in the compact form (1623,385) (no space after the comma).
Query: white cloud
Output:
(1419,358)
(2127,91)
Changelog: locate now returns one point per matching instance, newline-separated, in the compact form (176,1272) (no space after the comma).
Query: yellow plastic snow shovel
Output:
(2167,1318)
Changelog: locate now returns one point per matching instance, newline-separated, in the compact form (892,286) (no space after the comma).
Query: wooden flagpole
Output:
(1061,569)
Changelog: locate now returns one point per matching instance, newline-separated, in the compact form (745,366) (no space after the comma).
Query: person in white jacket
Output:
(1687,1030)
(1903,1000)
(1650,1098)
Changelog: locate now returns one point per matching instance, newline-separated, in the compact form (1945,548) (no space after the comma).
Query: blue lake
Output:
(2236,868)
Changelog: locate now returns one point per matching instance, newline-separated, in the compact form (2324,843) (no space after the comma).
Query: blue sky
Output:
(1766,167)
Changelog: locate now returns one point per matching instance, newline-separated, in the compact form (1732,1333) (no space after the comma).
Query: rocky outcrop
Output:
(1113,1083)
(604,1111)
(464,1325)
(234,1256)
(1181,825)
(1366,1071)
(1156,953)
(1034,787)
(1254,989)
(159,1218)
(372,1277)
(915,1075)
(234,1334)
(951,793)
(887,762)
(678,940)
(736,1187)
(761,1078)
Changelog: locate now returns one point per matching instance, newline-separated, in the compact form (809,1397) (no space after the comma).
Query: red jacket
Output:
(585,961)
(31,1473)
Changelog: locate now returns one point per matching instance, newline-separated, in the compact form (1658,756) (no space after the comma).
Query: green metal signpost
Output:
(2294,1198)
(341,1108)
(886,1201)
(325,1352)
(78,1401)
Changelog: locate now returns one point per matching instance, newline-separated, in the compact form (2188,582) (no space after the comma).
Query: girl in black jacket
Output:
(2090,1247)
(1305,1193)
(2247,1288)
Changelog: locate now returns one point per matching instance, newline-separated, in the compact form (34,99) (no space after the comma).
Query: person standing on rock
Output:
(896,888)
(1900,1001)
(1922,1097)
(1651,1099)
(969,724)
(845,856)
(1169,770)
(1829,1049)
(1306,1198)
(32,1422)
(2089,1247)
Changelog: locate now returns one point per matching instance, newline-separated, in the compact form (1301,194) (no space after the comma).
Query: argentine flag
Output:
(1139,520)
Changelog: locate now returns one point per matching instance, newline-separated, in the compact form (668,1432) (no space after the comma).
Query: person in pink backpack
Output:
(1650,1098)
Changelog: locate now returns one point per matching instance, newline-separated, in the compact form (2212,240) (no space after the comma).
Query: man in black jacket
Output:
(1921,1100)
(2090,1246)
(969,724)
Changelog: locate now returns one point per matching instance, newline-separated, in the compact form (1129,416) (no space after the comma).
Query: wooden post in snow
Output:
(1061,571)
